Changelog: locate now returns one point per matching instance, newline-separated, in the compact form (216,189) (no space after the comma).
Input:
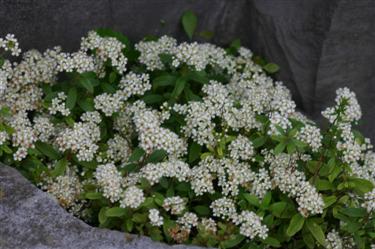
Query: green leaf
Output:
(93,195)
(153,98)
(157,156)
(189,22)
(295,225)
(101,216)
(233,241)
(251,199)
(354,212)
(279,148)
(72,98)
(60,168)
(272,241)
(137,154)
(335,172)
(321,184)
(115,212)
(362,186)
(164,80)
(202,210)
(47,150)
(139,218)
(278,208)
(266,201)
(2,60)
(316,231)
(87,104)
(179,87)
(194,152)
(259,141)
(206,34)
(105,32)
(87,84)
(129,224)
(329,200)
(271,68)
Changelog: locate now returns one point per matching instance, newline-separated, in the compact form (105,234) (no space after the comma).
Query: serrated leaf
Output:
(295,225)
(71,98)
(189,23)
(115,212)
(316,231)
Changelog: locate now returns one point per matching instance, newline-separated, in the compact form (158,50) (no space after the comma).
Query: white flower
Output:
(133,197)
(109,179)
(58,105)
(251,225)
(188,220)
(155,218)
(333,240)
(241,148)
(369,201)
(310,135)
(174,204)
(223,208)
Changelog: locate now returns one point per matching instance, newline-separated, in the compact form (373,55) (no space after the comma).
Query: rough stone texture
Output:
(320,46)
(30,219)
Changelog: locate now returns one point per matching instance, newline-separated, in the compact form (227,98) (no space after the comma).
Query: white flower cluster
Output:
(152,136)
(172,168)
(10,43)
(310,135)
(209,225)
(65,188)
(333,240)
(44,129)
(118,150)
(188,220)
(134,84)
(132,197)
(293,183)
(150,51)
(58,105)
(176,205)
(369,201)
(155,218)
(78,61)
(106,48)
(241,148)
(345,99)
(24,135)
(223,208)
(3,137)
(251,225)
(110,180)
(82,138)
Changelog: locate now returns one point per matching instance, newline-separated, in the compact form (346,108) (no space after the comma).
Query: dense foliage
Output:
(186,143)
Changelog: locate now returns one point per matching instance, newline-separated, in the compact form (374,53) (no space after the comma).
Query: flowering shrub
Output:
(186,143)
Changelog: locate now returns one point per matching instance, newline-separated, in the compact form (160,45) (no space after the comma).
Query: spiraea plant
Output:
(186,143)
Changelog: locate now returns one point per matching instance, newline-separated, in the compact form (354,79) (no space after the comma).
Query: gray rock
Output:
(30,219)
